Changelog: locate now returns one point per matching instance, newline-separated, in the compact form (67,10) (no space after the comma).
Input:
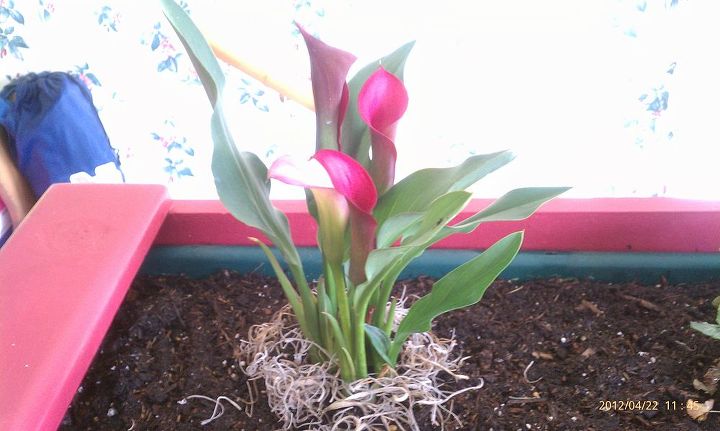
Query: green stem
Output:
(383,296)
(308,300)
(379,313)
(347,369)
(330,286)
(325,335)
(387,327)
(361,308)
(343,305)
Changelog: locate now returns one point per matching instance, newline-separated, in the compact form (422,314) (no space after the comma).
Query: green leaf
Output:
(708,329)
(463,286)
(202,57)
(432,220)
(416,191)
(290,293)
(396,227)
(517,204)
(380,342)
(240,177)
(384,265)
(355,134)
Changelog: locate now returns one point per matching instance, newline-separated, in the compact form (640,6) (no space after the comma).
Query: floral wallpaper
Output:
(148,96)
(157,116)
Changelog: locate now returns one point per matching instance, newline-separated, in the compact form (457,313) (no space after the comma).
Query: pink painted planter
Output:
(607,225)
(66,270)
(63,275)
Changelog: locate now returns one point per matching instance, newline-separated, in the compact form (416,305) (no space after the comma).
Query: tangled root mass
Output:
(307,395)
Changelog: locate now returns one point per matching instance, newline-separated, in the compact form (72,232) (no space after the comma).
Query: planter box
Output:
(613,239)
(65,271)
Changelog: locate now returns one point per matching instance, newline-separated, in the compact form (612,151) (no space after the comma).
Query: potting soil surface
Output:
(555,354)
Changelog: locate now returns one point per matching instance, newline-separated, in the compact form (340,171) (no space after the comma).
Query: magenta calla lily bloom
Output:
(336,172)
(329,169)
(382,101)
(329,67)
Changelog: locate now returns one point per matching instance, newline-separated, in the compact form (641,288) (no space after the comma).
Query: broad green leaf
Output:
(709,329)
(415,192)
(355,134)
(396,227)
(240,177)
(441,211)
(462,287)
(382,273)
(385,265)
(517,204)
(432,220)
(380,342)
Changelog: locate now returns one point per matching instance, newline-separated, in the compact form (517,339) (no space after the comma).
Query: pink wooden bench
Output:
(63,276)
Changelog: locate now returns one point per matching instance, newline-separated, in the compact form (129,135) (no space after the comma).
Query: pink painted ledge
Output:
(563,225)
(63,275)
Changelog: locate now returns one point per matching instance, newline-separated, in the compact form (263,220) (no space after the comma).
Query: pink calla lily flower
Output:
(329,169)
(344,191)
(382,101)
(329,67)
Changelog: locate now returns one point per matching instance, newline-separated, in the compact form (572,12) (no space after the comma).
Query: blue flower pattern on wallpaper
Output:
(86,76)
(11,42)
(165,149)
(177,149)
(166,50)
(655,100)
(108,18)
(7,10)
(47,9)
(168,153)
(250,92)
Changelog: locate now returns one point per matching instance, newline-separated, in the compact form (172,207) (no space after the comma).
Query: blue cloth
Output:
(54,129)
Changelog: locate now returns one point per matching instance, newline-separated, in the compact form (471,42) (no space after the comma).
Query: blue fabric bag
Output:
(55,133)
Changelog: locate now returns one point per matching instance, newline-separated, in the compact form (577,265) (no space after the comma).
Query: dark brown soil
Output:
(589,343)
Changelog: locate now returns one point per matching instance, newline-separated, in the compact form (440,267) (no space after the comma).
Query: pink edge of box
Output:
(562,225)
(63,275)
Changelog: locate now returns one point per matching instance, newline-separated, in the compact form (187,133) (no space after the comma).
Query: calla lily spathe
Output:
(329,169)
(382,101)
(329,67)
(344,192)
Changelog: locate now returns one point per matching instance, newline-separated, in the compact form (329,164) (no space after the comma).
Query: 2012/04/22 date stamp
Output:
(644,405)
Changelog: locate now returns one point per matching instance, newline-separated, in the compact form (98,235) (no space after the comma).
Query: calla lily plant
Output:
(370,227)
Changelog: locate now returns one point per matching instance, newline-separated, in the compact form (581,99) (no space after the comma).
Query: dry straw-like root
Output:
(305,395)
